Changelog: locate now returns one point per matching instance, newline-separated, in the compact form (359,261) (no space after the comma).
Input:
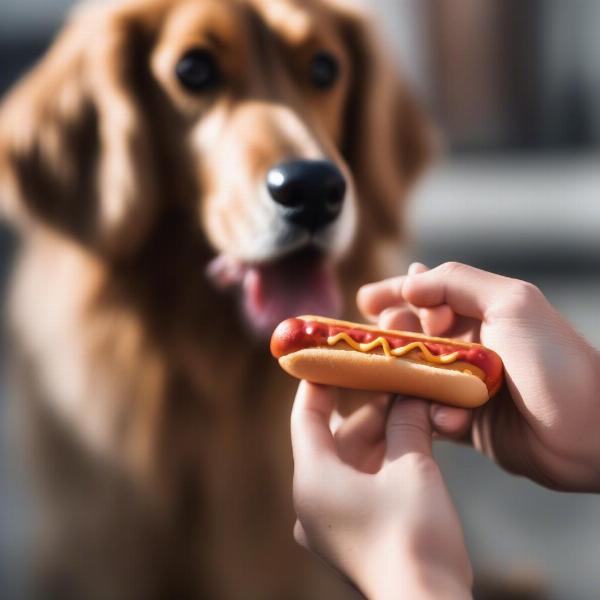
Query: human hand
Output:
(371,500)
(544,426)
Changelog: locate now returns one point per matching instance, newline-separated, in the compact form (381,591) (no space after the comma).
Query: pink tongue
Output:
(289,288)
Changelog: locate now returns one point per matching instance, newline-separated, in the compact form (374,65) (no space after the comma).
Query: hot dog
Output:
(363,357)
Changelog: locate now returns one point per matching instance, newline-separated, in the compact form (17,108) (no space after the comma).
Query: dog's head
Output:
(276,127)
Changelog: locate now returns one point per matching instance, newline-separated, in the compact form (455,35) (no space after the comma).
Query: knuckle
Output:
(451,267)
(397,427)
(409,435)
(416,467)
(408,416)
(520,299)
(526,290)
(421,464)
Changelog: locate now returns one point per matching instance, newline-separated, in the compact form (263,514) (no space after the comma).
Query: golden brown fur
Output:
(160,424)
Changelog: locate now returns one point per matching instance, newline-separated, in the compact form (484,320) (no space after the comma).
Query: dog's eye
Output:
(198,71)
(324,70)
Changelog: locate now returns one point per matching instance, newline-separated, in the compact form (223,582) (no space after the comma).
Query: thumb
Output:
(408,428)
(312,439)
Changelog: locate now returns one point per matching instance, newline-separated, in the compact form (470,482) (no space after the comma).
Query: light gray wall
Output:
(403,24)
(571,53)
(31,17)
(41,15)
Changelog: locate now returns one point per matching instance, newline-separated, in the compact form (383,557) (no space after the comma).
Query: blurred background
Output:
(514,87)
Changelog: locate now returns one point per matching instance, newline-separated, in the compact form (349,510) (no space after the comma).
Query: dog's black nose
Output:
(310,192)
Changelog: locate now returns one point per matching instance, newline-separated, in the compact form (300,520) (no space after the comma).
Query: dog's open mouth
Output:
(301,283)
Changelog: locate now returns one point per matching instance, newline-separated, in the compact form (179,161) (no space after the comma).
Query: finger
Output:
(416,267)
(383,297)
(501,434)
(451,422)
(311,437)
(466,329)
(367,424)
(373,298)
(437,320)
(362,432)
(433,321)
(403,318)
(467,290)
(408,428)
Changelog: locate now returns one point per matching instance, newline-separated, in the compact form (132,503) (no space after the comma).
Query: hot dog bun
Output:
(309,357)
(382,374)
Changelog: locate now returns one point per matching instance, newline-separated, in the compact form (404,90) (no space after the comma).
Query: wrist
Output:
(392,577)
(422,586)
(429,582)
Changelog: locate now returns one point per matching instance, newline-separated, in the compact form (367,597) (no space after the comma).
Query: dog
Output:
(183,174)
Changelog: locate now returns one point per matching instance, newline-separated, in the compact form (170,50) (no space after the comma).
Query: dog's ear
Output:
(75,150)
(387,139)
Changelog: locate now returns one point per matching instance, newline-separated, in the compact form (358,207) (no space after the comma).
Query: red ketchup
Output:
(296,334)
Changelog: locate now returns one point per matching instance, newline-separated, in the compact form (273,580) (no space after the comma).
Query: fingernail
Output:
(416,267)
(438,415)
(365,288)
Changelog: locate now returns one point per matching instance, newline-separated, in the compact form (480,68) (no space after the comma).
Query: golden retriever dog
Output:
(184,174)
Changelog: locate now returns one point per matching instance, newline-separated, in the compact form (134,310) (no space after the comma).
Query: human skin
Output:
(544,424)
(369,497)
(371,501)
